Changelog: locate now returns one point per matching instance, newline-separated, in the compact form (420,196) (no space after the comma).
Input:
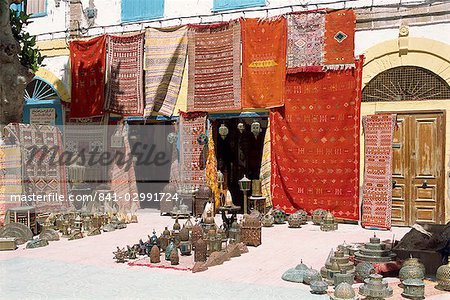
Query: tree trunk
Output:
(13,76)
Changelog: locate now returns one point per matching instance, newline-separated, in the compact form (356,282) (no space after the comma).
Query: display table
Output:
(226,210)
(258,203)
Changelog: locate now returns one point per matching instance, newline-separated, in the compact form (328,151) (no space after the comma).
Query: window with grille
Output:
(406,83)
(221,5)
(35,8)
(142,10)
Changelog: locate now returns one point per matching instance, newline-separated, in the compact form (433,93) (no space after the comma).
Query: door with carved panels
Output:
(418,169)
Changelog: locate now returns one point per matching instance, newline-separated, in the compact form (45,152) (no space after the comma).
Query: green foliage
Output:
(29,55)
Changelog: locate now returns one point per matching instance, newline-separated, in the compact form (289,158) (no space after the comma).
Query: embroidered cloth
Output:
(377,187)
(214,67)
(315,144)
(263,62)
(165,57)
(87,65)
(124,90)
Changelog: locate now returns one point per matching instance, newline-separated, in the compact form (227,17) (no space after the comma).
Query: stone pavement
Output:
(85,269)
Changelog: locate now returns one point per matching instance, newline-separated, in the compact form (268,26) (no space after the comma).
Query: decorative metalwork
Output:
(16,230)
(38,89)
(223,131)
(406,83)
(318,287)
(443,277)
(375,251)
(414,289)
(318,215)
(375,288)
(311,275)
(363,271)
(328,223)
(344,291)
(293,275)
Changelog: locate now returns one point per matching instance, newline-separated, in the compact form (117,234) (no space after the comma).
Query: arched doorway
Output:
(418,167)
(42,104)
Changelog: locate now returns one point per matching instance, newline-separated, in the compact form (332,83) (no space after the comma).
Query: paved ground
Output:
(84,269)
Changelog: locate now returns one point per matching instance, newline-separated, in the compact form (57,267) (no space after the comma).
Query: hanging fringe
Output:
(338,67)
(305,69)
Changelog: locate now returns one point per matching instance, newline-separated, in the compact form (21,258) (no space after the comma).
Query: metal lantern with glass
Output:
(244,185)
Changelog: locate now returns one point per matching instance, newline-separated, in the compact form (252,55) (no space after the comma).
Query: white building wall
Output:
(55,24)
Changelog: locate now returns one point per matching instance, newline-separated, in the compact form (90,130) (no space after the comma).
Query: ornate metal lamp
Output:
(256,128)
(241,127)
(234,233)
(244,185)
(223,131)
(375,288)
(443,277)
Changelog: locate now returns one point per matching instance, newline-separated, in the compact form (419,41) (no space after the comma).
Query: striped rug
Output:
(214,67)
(165,56)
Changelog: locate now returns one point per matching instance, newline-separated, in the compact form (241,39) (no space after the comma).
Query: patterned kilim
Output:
(123,176)
(263,62)
(10,179)
(83,140)
(339,39)
(377,188)
(315,144)
(265,172)
(124,90)
(87,61)
(42,177)
(193,156)
(214,55)
(165,58)
(305,41)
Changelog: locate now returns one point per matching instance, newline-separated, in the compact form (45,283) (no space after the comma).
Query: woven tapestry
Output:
(265,172)
(41,176)
(305,41)
(214,54)
(377,187)
(87,139)
(10,179)
(87,65)
(123,176)
(124,63)
(315,143)
(192,154)
(263,62)
(165,57)
(339,39)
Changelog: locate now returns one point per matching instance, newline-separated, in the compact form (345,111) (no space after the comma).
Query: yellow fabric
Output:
(265,172)
(182,96)
(211,170)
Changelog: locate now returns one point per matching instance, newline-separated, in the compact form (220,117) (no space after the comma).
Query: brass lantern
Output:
(223,131)
(211,241)
(241,127)
(234,233)
(244,185)
(256,128)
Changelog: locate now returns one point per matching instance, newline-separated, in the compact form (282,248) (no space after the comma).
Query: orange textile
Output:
(339,39)
(263,62)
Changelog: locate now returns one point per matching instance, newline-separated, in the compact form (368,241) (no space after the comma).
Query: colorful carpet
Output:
(186,263)
(41,176)
(263,62)
(165,57)
(339,39)
(123,176)
(10,178)
(192,154)
(265,172)
(89,141)
(87,61)
(377,187)
(214,67)
(305,41)
(124,63)
(315,144)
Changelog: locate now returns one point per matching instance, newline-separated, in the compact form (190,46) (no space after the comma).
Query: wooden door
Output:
(418,169)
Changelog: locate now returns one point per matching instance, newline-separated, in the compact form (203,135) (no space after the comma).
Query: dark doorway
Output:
(239,154)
